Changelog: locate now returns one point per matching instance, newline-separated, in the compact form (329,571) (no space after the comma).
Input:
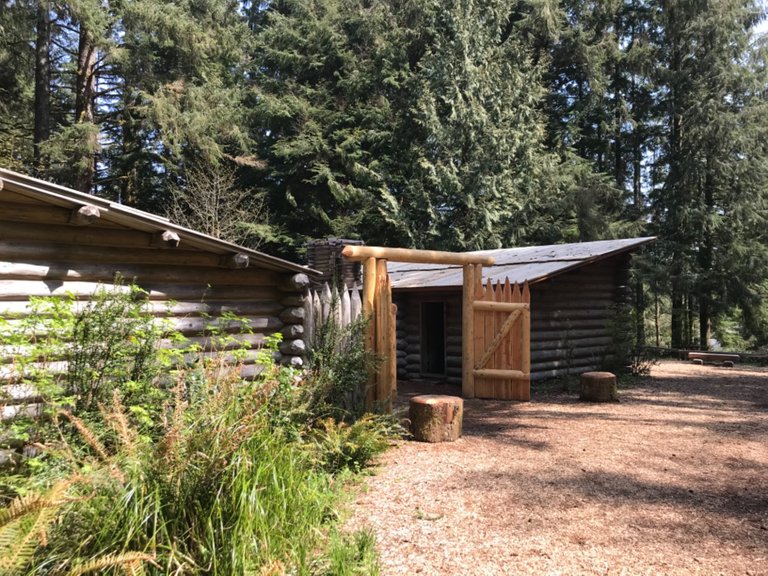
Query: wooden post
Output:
(467,336)
(383,312)
(369,291)
(526,367)
(392,348)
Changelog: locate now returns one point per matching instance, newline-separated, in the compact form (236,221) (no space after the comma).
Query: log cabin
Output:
(577,292)
(54,241)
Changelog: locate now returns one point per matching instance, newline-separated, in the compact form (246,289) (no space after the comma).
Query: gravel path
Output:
(671,480)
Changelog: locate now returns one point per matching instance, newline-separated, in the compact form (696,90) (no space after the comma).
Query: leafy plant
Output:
(343,446)
(337,380)
(233,477)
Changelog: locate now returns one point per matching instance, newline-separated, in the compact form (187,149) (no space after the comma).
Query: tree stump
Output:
(436,418)
(599,387)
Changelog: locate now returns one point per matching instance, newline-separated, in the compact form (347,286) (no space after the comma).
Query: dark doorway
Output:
(433,338)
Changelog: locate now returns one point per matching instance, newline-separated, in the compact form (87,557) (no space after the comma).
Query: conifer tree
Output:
(715,154)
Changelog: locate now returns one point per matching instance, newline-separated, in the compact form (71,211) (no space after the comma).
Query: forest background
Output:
(443,124)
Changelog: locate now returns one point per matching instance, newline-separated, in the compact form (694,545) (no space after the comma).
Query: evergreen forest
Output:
(441,124)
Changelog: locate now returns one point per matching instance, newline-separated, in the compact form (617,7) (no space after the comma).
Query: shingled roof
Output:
(531,264)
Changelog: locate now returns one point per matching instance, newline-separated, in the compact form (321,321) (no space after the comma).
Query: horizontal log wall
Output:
(572,318)
(571,322)
(44,252)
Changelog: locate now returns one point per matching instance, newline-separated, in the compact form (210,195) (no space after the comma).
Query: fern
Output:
(24,526)
(131,563)
(87,435)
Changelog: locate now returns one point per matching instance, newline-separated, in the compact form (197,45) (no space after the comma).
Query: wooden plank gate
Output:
(495,325)
(496,338)
(500,345)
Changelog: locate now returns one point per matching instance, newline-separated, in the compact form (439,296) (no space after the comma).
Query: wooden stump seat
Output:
(599,387)
(436,417)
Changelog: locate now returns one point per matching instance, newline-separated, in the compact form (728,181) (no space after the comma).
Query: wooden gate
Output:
(496,334)
(378,307)
(496,325)
(502,320)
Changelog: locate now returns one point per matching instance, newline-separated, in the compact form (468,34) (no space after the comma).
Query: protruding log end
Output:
(166,239)
(293,315)
(237,261)
(298,282)
(436,418)
(599,387)
(293,347)
(85,215)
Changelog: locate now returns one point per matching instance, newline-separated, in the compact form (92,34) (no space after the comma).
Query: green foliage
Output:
(232,477)
(354,558)
(75,355)
(343,446)
(414,124)
(627,353)
(115,345)
(427,124)
(339,367)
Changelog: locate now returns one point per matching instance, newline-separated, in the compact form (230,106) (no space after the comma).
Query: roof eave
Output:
(137,219)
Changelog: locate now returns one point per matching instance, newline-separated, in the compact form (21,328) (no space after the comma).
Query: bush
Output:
(339,366)
(232,477)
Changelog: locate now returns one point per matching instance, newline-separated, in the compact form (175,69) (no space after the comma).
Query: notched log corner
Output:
(237,261)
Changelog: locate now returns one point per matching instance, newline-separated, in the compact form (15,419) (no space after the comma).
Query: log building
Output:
(575,292)
(55,240)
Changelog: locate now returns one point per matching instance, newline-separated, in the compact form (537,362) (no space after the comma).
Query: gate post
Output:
(369,291)
(467,333)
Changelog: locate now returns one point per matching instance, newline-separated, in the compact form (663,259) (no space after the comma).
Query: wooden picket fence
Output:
(330,304)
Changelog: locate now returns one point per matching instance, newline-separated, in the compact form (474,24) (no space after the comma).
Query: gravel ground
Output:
(673,479)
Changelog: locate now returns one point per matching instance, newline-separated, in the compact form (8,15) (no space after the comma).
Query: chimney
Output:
(325,256)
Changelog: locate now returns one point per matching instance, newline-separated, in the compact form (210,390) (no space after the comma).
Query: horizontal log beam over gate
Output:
(361,253)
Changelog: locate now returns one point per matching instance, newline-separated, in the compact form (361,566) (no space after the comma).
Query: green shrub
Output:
(228,477)
(337,381)
(342,446)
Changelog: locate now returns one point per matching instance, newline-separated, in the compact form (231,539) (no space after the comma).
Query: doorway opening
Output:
(433,339)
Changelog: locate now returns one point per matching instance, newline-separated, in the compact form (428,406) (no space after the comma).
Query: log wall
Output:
(45,252)
(572,326)
(572,318)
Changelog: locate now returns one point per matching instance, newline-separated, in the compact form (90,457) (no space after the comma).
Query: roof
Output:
(532,264)
(138,220)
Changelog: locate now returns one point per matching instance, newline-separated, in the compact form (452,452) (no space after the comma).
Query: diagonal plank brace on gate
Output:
(515,308)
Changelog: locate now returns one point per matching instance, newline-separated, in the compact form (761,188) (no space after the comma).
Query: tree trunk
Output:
(42,128)
(678,313)
(599,387)
(436,418)
(85,88)
(639,313)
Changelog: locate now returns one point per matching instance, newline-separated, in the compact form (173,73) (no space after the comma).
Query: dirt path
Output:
(671,480)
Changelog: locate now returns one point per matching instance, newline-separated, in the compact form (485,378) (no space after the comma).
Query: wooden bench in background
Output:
(714,357)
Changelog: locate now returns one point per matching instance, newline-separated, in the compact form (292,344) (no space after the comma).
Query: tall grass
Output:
(221,492)
(232,478)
